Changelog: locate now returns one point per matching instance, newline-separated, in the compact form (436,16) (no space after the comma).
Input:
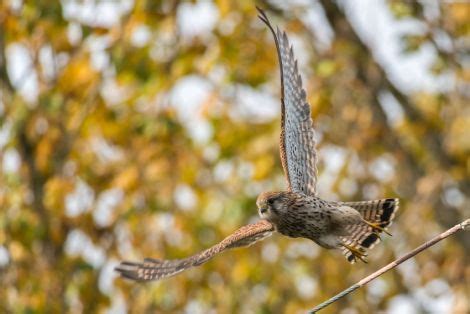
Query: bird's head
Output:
(271,205)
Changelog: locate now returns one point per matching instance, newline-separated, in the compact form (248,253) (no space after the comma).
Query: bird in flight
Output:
(352,227)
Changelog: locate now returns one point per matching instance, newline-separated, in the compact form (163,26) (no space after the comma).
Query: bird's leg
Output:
(377,228)
(356,252)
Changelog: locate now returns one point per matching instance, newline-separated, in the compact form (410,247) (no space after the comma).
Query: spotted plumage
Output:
(349,226)
(352,227)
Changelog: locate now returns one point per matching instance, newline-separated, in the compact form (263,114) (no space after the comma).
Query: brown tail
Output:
(363,236)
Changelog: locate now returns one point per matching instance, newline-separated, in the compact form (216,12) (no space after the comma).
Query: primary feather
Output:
(154,269)
(297,140)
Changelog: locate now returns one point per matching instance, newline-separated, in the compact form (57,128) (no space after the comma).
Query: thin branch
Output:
(431,140)
(5,82)
(461,226)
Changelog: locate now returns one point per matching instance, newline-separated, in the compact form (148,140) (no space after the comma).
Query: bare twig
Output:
(461,226)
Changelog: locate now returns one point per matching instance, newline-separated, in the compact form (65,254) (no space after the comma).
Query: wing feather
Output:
(155,269)
(297,141)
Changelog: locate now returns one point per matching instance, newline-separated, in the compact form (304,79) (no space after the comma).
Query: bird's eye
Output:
(270,201)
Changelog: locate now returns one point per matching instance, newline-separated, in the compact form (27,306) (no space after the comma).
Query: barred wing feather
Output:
(297,142)
(155,269)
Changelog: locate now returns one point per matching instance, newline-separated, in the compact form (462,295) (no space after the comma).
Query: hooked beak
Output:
(263,209)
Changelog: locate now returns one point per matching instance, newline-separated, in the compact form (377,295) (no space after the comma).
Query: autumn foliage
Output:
(148,128)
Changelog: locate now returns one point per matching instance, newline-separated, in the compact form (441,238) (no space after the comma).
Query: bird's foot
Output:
(357,253)
(377,227)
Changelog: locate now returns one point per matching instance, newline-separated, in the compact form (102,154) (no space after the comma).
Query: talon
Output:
(377,228)
(356,253)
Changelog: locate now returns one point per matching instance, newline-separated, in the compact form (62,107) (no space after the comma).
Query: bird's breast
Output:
(307,223)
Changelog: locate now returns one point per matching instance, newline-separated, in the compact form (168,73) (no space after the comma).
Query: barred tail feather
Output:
(363,237)
(379,211)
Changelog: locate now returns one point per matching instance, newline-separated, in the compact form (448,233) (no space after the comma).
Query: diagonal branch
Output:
(341,24)
(431,141)
(465,225)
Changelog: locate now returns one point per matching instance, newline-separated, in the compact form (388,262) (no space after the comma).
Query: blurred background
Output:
(148,128)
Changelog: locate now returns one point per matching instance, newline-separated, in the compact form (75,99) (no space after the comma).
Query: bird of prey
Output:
(352,227)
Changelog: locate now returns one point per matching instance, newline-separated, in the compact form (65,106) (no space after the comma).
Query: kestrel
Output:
(352,227)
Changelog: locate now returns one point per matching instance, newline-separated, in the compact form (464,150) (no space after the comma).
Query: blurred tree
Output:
(148,128)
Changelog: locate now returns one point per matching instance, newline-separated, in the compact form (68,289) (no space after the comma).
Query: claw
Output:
(357,253)
(377,228)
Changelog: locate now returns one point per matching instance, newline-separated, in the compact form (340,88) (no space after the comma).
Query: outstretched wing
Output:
(297,142)
(155,269)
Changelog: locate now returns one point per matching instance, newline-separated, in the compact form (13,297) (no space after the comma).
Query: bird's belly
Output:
(311,224)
